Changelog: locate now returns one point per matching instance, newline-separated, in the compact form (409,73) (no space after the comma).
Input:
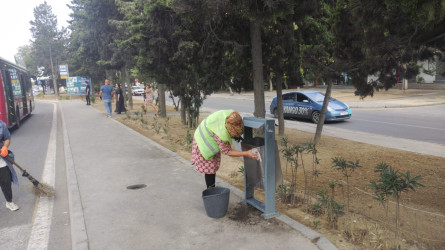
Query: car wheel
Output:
(275,113)
(315,116)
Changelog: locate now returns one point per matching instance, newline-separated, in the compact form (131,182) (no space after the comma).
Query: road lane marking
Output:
(39,237)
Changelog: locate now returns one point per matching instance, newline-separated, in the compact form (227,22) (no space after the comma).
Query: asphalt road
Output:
(425,123)
(31,146)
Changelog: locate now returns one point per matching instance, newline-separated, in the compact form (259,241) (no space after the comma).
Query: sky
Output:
(15,16)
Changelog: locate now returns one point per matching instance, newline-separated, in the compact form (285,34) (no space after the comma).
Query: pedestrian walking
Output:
(120,100)
(213,136)
(106,94)
(149,98)
(87,93)
(7,173)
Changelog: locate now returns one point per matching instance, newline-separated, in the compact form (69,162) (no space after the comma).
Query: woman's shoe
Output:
(12,206)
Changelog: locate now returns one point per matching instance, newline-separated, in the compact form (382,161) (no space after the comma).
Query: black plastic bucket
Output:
(216,201)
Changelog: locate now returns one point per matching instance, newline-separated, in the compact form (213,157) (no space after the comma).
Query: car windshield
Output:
(317,96)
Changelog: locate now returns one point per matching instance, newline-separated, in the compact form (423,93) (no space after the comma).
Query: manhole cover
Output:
(137,186)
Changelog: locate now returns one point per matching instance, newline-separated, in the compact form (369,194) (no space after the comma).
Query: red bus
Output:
(16,98)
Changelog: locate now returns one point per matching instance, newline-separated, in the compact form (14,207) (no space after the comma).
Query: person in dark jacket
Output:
(7,173)
(87,92)
(120,100)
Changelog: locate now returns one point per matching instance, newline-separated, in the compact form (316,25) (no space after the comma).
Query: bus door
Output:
(23,84)
(17,93)
(9,97)
(3,100)
(13,88)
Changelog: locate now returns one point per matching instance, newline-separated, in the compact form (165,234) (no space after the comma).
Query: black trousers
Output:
(87,97)
(5,183)
(210,180)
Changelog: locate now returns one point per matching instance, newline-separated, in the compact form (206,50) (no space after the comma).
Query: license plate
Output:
(344,113)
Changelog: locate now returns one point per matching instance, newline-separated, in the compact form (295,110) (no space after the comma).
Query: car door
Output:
(303,106)
(288,104)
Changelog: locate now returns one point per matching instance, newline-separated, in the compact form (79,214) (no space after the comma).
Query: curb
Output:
(79,236)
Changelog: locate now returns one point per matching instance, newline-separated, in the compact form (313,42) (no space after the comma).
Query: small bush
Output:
(189,138)
(316,223)
(283,193)
(241,170)
(317,209)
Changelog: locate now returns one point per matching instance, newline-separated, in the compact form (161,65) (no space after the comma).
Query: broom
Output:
(39,188)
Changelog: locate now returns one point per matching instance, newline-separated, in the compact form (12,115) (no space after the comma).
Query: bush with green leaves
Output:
(327,205)
(347,168)
(189,138)
(166,125)
(283,193)
(241,170)
(393,183)
(156,126)
(143,121)
(294,157)
(143,110)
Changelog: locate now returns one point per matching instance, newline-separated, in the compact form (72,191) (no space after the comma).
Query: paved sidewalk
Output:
(105,157)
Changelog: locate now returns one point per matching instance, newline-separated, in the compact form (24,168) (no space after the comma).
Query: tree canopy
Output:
(196,47)
(48,44)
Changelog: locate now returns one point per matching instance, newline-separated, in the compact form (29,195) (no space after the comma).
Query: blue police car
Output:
(307,105)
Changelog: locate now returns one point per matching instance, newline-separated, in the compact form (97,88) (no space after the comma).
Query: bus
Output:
(16,98)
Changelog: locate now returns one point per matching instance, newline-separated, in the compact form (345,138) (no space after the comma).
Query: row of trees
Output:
(194,47)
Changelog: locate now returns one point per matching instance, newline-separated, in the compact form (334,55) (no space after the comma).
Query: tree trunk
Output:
(405,80)
(161,98)
(183,115)
(397,216)
(56,90)
(257,68)
(127,86)
(280,106)
(270,84)
(320,124)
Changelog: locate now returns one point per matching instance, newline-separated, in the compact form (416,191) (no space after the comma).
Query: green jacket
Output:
(214,123)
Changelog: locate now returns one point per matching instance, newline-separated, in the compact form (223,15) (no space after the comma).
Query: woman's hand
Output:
(252,154)
(4,151)
(249,153)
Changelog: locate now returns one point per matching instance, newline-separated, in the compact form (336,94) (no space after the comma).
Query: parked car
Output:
(36,89)
(307,105)
(137,90)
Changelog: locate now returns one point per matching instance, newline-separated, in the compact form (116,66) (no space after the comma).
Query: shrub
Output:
(393,183)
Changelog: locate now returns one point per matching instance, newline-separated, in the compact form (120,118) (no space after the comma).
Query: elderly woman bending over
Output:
(213,136)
